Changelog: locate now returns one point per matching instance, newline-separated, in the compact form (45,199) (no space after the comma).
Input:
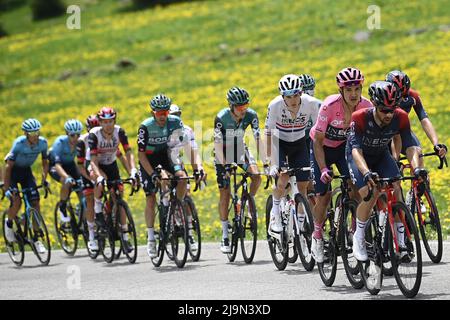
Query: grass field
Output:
(195,51)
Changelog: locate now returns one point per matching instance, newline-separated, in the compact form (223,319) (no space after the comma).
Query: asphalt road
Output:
(212,278)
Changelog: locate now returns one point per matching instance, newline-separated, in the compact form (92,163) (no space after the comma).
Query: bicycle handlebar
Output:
(381,181)
(442,160)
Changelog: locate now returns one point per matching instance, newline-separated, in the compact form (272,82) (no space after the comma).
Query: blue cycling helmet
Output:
(237,96)
(31,125)
(160,102)
(73,126)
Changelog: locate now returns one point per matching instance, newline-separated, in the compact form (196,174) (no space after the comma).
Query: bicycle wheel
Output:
(106,241)
(292,254)
(233,235)
(38,232)
(407,264)
(429,225)
(278,248)
(194,229)
(372,269)
(128,237)
(66,234)
(160,240)
(303,237)
(328,268)
(249,230)
(347,220)
(15,249)
(179,228)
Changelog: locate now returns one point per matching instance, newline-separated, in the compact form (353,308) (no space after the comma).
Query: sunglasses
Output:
(290,93)
(74,135)
(241,107)
(162,113)
(33,133)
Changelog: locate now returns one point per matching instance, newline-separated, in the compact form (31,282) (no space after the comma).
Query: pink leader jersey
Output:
(331,120)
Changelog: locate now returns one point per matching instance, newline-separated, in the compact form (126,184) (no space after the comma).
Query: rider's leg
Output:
(255,180)
(181,185)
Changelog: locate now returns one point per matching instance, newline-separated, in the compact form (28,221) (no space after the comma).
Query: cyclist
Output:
(329,135)
(190,148)
(19,160)
(229,147)
(411,99)
(158,140)
(308,86)
(287,118)
(368,153)
(103,143)
(62,165)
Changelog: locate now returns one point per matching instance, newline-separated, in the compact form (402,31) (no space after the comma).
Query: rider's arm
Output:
(319,153)
(123,160)
(45,164)
(355,141)
(142,145)
(269,128)
(257,135)
(396,146)
(360,162)
(7,177)
(412,153)
(81,159)
(423,117)
(126,147)
(56,150)
(218,141)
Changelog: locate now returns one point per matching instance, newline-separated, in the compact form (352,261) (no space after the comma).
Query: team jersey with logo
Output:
(231,133)
(367,135)
(331,120)
(153,139)
(106,149)
(412,100)
(24,154)
(280,123)
(60,151)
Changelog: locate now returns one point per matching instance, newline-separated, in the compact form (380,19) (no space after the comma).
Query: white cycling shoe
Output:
(317,250)
(151,249)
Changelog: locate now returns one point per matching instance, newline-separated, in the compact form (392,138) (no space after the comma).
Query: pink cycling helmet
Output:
(348,77)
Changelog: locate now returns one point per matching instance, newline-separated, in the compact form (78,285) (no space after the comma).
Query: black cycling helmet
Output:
(401,79)
(384,94)
(237,96)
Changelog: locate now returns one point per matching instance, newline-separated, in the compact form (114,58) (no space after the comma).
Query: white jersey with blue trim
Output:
(280,123)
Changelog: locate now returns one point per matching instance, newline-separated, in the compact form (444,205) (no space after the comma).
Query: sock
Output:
(91,230)
(360,229)
(224,229)
(125,233)
(151,234)
(189,220)
(276,207)
(400,233)
(98,205)
(317,234)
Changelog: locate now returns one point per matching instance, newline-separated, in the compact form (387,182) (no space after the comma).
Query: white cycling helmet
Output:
(289,85)
(175,110)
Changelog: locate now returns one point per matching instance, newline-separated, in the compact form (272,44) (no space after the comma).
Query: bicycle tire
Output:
(346,242)
(179,237)
(106,240)
(430,234)
(41,235)
(15,249)
(305,237)
(68,241)
(414,251)
(249,228)
(131,231)
(196,231)
(278,253)
(328,268)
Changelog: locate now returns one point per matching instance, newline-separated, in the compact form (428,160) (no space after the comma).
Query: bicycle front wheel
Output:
(328,268)
(16,248)
(127,232)
(278,247)
(179,229)
(249,230)
(40,242)
(303,237)
(66,233)
(194,229)
(407,262)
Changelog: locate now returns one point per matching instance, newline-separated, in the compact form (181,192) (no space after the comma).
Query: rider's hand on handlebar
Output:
(370,178)
(155,177)
(326,175)
(441,150)
(100,180)
(421,174)
(70,181)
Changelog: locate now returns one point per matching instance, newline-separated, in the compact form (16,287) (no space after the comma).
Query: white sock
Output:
(400,233)
(125,235)
(224,229)
(98,205)
(151,234)
(91,226)
(189,220)
(360,229)
(276,207)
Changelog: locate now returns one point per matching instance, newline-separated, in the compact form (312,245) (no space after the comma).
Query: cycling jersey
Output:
(374,140)
(412,100)
(229,133)
(189,137)
(24,155)
(280,123)
(106,149)
(60,151)
(153,139)
(331,120)
(310,123)
(82,150)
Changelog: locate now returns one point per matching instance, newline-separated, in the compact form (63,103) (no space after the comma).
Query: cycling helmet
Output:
(384,94)
(307,82)
(349,76)
(401,79)
(31,125)
(175,110)
(160,102)
(289,85)
(92,122)
(106,113)
(237,96)
(73,126)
